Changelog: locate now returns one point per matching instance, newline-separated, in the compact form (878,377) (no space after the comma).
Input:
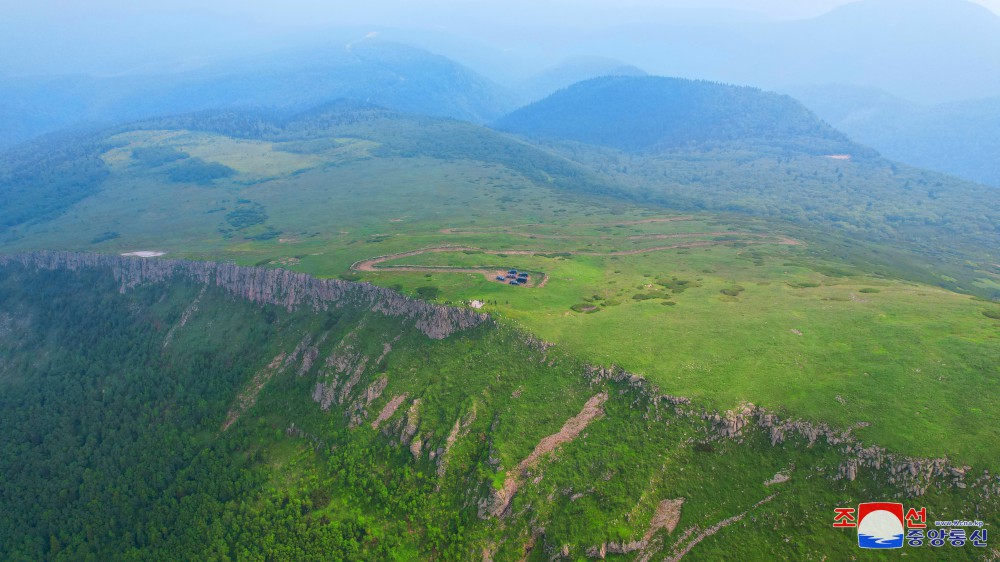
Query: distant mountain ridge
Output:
(931,51)
(391,75)
(643,114)
(573,70)
(958,138)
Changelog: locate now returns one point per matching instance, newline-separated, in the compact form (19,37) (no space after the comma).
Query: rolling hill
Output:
(571,71)
(42,179)
(648,114)
(698,145)
(776,161)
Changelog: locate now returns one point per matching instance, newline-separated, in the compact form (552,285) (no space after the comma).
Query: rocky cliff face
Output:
(263,285)
(914,475)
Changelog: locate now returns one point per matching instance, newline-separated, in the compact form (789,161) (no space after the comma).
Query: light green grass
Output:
(917,363)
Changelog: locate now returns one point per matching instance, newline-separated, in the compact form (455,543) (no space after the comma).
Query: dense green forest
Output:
(649,113)
(40,179)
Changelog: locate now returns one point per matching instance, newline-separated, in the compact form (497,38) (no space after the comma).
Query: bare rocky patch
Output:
(679,551)
(185,316)
(389,409)
(460,429)
(248,397)
(499,503)
(779,478)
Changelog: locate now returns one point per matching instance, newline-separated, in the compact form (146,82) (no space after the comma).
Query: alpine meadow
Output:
(659,281)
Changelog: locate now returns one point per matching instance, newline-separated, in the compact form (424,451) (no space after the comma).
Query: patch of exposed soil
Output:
(389,409)
(592,410)
(248,397)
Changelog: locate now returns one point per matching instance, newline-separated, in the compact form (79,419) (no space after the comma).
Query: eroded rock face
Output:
(498,504)
(914,475)
(279,287)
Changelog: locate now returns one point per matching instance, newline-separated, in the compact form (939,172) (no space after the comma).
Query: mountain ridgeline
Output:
(956,138)
(391,75)
(278,287)
(650,114)
(154,410)
(573,70)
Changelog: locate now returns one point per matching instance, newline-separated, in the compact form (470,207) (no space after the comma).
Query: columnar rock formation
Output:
(279,287)
(914,475)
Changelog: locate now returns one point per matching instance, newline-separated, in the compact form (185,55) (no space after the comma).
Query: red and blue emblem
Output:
(880,525)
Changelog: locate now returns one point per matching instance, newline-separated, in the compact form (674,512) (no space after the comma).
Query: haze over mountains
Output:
(569,280)
(924,50)
(935,56)
(957,138)
(388,74)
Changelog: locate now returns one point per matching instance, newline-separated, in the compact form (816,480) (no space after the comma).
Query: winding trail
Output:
(513,230)
(377,263)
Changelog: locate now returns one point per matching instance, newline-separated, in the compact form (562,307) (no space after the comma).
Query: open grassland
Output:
(767,324)
(719,308)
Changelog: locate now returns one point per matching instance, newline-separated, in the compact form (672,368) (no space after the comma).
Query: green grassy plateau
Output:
(721,308)
(175,421)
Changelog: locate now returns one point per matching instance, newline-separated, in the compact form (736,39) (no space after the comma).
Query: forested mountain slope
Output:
(159,409)
(648,114)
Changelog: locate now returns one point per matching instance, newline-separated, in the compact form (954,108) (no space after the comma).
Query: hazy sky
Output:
(312,12)
(65,36)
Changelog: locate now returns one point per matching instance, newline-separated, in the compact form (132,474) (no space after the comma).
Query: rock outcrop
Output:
(914,475)
(389,409)
(498,503)
(248,396)
(279,287)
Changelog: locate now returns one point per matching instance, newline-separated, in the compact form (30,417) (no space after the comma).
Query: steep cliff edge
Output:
(279,287)
(269,415)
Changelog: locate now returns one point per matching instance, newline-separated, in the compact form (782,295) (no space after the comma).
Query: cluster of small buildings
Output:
(514,277)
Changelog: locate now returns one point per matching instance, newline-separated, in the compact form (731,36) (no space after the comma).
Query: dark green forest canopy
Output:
(647,114)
